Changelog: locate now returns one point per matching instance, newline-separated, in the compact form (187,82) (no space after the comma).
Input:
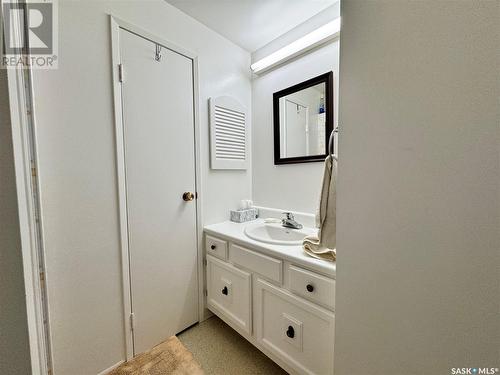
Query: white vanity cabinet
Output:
(278,304)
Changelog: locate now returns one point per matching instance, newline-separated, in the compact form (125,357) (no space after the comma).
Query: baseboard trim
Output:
(104,372)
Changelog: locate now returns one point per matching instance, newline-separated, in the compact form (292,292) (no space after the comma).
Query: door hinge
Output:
(205,292)
(132,321)
(120,72)
(205,262)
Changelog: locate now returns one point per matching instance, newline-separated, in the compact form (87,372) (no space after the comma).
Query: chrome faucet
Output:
(289,221)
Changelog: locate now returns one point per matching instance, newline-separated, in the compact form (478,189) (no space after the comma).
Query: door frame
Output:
(24,143)
(116,24)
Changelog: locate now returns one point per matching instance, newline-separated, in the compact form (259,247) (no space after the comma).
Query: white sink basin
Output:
(275,233)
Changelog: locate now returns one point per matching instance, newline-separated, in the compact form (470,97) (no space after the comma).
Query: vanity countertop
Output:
(234,232)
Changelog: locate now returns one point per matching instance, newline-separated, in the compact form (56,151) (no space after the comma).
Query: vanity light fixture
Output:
(302,44)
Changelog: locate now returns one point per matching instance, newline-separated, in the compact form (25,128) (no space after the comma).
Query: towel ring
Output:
(331,143)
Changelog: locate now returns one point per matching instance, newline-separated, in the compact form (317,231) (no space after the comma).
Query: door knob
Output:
(290,332)
(188,196)
(225,291)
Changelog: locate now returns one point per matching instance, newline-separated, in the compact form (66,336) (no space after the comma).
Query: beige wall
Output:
(75,131)
(14,344)
(418,191)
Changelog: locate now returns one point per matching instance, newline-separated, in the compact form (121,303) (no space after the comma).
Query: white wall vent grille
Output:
(228,134)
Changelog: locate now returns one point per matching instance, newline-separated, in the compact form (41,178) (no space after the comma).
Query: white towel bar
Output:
(331,143)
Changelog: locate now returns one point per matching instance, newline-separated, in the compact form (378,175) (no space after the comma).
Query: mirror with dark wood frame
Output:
(303,120)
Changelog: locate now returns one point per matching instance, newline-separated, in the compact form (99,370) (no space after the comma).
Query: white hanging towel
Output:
(323,246)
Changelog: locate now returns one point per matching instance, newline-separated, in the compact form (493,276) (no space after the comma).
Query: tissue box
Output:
(248,214)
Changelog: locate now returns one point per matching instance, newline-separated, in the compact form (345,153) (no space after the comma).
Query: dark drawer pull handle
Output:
(310,288)
(290,332)
(213,247)
(225,291)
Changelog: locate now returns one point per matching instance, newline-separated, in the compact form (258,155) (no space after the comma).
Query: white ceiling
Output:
(251,23)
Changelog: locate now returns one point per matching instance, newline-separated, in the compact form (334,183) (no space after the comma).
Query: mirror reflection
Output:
(302,122)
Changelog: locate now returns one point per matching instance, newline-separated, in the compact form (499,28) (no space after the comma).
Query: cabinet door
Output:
(296,330)
(229,292)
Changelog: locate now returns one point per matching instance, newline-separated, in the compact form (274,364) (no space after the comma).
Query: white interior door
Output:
(158,125)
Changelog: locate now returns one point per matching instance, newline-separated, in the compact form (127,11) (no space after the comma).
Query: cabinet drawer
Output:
(229,292)
(216,247)
(268,267)
(310,285)
(295,330)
